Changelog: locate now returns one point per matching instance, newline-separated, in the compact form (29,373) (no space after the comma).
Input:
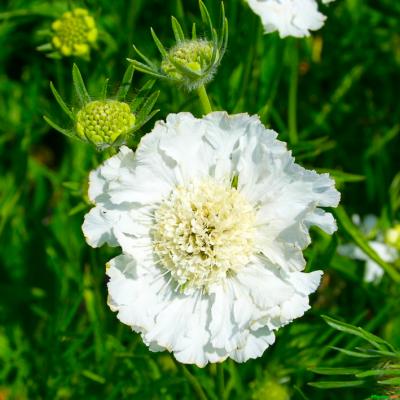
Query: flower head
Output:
(190,63)
(106,122)
(74,33)
(212,215)
(289,17)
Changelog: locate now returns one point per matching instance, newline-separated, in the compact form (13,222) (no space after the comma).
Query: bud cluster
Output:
(74,33)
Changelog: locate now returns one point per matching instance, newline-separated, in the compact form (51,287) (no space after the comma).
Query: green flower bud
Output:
(192,62)
(74,33)
(196,56)
(103,122)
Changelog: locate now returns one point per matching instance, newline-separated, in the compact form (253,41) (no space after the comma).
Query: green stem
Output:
(220,381)
(293,87)
(204,100)
(194,382)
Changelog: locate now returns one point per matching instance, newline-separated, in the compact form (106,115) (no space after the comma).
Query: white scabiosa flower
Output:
(289,17)
(384,247)
(212,215)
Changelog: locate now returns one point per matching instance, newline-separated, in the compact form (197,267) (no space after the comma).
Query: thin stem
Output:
(204,100)
(220,381)
(293,87)
(194,382)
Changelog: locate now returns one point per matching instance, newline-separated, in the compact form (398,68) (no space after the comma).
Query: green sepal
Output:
(147,107)
(79,86)
(61,102)
(177,29)
(126,83)
(145,59)
(141,95)
(59,129)
(104,89)
(158,43)
(145,69)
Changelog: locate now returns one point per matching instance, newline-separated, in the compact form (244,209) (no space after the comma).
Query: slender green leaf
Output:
(336,384)
(335,371)
(391,381)
(374,372)
(354,353)
(357,331)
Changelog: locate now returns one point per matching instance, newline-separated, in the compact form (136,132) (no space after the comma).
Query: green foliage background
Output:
(58,339)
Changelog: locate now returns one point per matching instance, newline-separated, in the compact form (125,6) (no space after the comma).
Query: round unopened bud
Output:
(74,33)
(195,55)
(392,236)
(102,122)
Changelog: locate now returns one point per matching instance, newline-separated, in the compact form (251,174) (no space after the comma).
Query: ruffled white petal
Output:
(289,17)
(98,227)
(236,320)
(287,196)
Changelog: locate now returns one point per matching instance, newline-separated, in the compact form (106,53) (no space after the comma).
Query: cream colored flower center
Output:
(203,232)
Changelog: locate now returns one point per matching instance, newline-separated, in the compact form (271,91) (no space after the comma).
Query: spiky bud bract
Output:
(107,121)
(191,62)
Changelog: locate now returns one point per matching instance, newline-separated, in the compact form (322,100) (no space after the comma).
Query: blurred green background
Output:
(58,339)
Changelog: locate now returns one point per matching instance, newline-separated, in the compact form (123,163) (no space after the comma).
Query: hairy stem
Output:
(204,100)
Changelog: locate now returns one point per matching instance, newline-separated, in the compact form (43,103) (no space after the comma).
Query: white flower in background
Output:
(289,17)
(212,215)
(386,251)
